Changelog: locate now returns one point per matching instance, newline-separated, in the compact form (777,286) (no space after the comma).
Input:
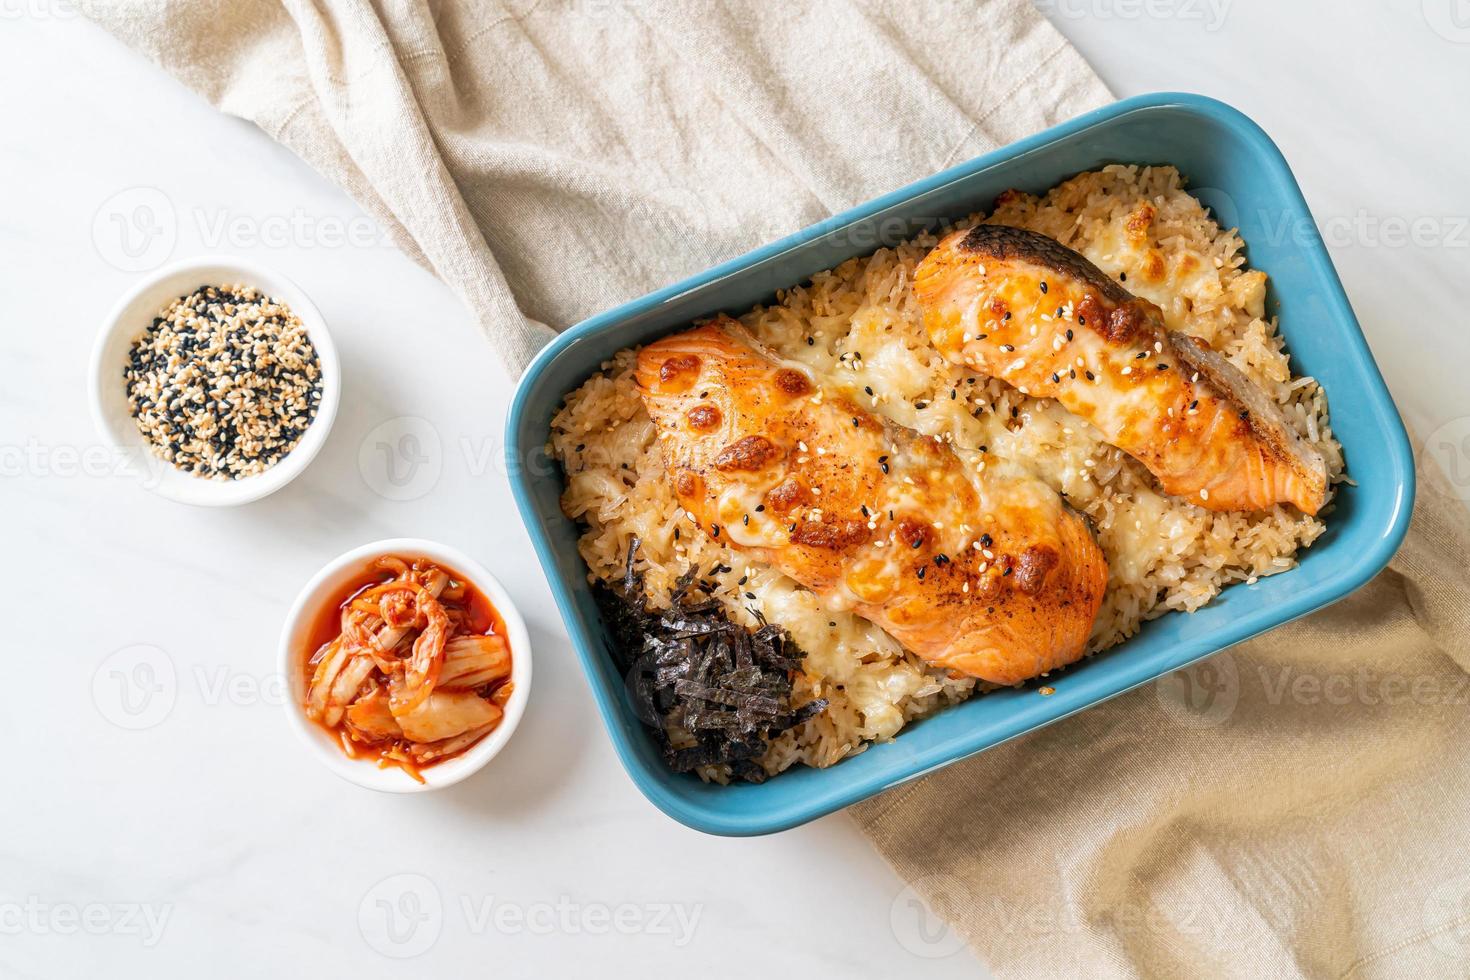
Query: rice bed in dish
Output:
(859,327)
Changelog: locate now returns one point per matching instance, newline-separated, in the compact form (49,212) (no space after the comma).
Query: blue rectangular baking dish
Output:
(1240,173)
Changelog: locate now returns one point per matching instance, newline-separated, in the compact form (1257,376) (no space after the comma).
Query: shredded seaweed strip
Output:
(692,669)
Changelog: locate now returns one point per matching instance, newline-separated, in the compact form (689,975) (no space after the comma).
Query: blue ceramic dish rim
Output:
(1317,596)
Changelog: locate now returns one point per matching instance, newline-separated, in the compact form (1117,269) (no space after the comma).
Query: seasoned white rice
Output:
(859,325)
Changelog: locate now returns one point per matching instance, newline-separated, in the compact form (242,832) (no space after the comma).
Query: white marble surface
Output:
(161,821)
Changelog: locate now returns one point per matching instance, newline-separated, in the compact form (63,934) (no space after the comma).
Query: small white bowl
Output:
(295,635)
(131,316)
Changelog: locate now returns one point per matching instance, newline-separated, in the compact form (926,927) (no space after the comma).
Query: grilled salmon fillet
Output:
(986,574)
(1024,308)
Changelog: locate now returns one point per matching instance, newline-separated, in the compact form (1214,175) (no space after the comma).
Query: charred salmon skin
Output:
(1024,308)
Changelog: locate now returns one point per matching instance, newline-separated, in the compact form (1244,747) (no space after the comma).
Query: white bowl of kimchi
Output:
(395,657)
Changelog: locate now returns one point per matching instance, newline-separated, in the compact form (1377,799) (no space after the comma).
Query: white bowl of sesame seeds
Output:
(216,381)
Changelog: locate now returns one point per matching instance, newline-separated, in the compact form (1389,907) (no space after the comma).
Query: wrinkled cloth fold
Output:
(1298,805)
(549,159)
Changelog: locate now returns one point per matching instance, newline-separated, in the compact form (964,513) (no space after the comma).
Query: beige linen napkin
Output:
(1296,806)
(551,158)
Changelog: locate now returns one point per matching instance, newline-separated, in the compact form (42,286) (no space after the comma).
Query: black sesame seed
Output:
(922,570)
(174,381)
(1043,287)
